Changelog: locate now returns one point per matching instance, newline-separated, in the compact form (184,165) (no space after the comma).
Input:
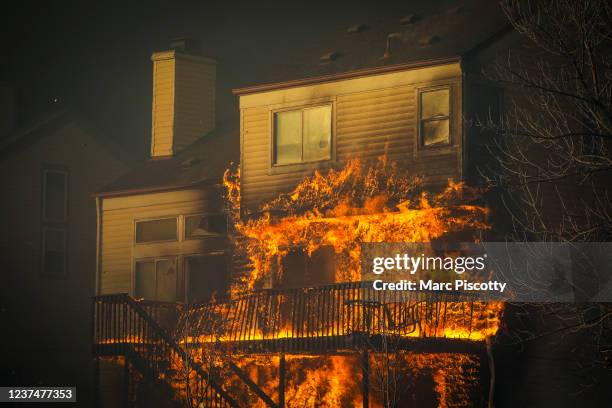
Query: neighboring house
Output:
(166,217)
(162,227)
(48,247)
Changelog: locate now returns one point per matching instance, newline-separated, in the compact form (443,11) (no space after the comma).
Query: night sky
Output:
(95,58)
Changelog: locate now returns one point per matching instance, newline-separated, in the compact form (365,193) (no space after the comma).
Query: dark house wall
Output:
(47,319)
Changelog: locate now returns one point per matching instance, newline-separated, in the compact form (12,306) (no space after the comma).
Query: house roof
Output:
(203,162)
(431,34)
(45,125)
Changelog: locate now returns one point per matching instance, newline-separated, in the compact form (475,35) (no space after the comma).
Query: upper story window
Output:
(434,127)
(302,135)
(205,225)
(55,195)
(160,230)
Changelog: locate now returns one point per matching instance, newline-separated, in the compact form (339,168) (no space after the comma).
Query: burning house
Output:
(221,285)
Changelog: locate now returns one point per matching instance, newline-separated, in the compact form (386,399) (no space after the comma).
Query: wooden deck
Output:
(346,318)
(324,319)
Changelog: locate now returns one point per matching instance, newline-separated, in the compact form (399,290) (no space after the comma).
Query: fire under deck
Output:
(341,318)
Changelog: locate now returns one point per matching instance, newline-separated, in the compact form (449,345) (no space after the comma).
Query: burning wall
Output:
(361,202)
(376,201)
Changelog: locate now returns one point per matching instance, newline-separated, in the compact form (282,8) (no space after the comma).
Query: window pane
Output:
(55,196)
(200,226)
(288,137)
(435,103)
(156,230)
(317,133)
(166,280)
(207,276)
(145,279)
(435,132)
(54,256)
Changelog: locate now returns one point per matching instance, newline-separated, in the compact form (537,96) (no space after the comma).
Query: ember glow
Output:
(341,209)
(362,202)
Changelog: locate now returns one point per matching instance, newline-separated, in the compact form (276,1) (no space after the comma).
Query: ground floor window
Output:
(157,279)
(184,278)
(207,276)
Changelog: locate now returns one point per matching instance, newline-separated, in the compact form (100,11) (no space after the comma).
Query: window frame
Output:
(155,260)
(301,165)
(420,134)
(177,230)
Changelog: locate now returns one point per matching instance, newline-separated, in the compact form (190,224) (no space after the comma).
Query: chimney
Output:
(7,110)
(183,97)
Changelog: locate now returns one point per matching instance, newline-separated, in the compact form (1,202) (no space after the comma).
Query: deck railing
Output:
(328,313)
(156,336)
(303,318)
(134,329)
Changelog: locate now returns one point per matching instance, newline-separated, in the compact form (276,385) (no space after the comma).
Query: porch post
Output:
(281,381)
(365,378)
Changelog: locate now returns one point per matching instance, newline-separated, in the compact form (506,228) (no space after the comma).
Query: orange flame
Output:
(362,202)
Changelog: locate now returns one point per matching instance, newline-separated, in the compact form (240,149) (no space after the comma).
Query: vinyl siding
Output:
(371,116)
(194,102)
(183,101)
(118,216)
(163,107)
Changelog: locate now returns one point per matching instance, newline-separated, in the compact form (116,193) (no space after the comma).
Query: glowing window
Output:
(302,135)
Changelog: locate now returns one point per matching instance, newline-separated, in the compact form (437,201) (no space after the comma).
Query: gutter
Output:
(344,75)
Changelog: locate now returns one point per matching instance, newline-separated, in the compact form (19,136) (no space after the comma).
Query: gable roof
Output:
(432,36)
(44,126)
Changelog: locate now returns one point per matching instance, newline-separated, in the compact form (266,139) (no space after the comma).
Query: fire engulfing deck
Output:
(160,339)
(336,317)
